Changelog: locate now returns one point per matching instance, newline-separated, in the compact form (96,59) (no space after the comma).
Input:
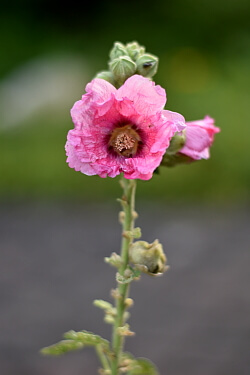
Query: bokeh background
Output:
(57,224)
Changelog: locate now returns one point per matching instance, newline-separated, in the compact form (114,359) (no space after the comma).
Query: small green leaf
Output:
(74,341)
(130,274)
(142,366)
(135,233)
(104,305)
(62,347)
(109,310)
(86,338)
(114,260)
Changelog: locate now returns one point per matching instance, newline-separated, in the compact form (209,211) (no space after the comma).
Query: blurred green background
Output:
(50,51)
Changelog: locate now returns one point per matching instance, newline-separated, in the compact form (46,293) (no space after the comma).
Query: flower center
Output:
(125,141)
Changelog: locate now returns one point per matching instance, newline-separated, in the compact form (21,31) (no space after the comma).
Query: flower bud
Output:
(118,50)
(149,258)
(122,68)
(147,65)
(125,331)
(108,76)
(135,50)
(129,302)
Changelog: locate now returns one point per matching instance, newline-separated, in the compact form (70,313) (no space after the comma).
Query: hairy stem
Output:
(128,202)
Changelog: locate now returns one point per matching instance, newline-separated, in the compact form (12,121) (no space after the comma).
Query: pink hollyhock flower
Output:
(199,138)
(121,130)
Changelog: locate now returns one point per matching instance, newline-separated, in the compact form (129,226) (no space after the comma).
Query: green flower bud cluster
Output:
(127,60)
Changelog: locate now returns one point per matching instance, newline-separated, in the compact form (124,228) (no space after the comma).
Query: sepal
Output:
(173,156)
(177,143)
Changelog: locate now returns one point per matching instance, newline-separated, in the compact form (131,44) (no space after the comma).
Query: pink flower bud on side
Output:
(199,138)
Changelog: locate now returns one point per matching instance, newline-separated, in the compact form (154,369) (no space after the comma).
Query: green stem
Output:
(102,357)
(128,202)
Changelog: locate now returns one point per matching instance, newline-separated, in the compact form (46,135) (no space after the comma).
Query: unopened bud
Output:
(108,76)
(135,50)
(122,68)
(121,217)
(147,65)
(129,302)
(109,319)
(115,294)
(118,50)
(125,331)
(148,258)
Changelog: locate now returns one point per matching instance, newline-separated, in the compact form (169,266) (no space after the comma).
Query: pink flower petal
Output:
(199,138)
(138,103)
(100,90)
(146,97)
(176,119)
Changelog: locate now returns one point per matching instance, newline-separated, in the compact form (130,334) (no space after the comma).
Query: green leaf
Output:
(114,260)
(104,305)
(135,233)
(86,338)
(130,274)
(142,366)
(62,347)
(74,341)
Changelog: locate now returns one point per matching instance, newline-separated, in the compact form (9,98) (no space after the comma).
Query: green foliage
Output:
(104,305)
(114,260)
(74,341)
(130,274)
(142,366)
(135,233)
(62,347)
(137,366)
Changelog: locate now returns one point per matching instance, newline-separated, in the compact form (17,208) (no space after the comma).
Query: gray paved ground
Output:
(195,320)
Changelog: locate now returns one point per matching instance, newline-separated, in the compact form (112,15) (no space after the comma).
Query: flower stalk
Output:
(128,204)
(121,127)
